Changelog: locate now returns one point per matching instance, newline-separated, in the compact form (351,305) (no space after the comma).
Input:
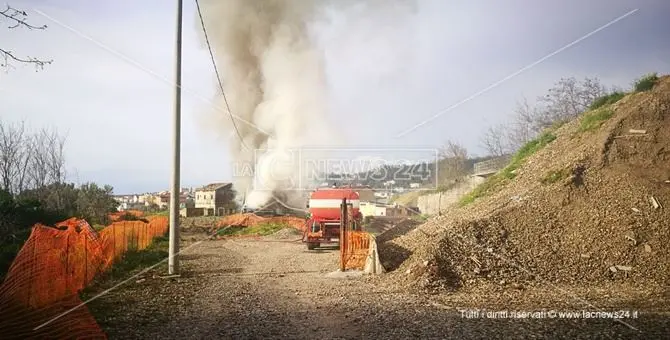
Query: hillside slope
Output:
(571,213)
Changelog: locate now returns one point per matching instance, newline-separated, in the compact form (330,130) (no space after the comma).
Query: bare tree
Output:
(47,161)
(11,144)
(453,162)
(30,161)
(495,140)
(527,123)
(567,99)
(56,155)
(38,168)
(18,18)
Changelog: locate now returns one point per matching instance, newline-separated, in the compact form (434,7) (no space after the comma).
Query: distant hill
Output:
(423,173)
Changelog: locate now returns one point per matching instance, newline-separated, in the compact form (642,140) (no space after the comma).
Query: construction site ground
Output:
(274,288)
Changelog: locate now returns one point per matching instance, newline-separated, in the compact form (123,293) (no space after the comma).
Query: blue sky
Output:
(387,71)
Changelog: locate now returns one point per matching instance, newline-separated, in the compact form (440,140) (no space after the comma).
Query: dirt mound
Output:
(390,254)
(286,234)
(249,220)
(592,206)
(240,220)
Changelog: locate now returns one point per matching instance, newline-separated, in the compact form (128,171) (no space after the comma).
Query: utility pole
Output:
(175,189)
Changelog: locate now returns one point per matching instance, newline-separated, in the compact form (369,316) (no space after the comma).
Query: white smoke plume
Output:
(274,79)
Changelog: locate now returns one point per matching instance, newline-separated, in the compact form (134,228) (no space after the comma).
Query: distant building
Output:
(382,195)
(365,193)
(127,202)
(184,201)
(380,209)
(491,166)
(369,208)
(215,199)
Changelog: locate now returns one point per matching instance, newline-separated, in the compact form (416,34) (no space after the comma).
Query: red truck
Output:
(323,222)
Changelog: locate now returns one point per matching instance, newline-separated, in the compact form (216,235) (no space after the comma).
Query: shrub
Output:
(594,120)
(646,83)
(607,100)
(130,217)
(261,229)
(526,150)
(509,172)
(554,176)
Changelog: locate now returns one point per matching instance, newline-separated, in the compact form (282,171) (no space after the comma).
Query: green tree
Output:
(60,197)
(95,202)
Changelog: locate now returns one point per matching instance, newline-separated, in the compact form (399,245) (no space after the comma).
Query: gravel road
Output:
(275,289)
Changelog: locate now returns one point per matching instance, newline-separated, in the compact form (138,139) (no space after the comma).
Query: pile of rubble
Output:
(593,206)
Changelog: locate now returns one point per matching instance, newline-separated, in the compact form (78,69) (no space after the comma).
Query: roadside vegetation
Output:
(132,263)
(608,99)
(555,176)
(594,119)
(646,82)
(261,229)
(494,182)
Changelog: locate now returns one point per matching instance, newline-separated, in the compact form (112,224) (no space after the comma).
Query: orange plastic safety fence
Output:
(55,264)
(356,249)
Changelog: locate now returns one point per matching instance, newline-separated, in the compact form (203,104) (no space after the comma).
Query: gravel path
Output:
(276,289)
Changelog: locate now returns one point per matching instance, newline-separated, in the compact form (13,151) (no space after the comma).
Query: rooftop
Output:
(213,186)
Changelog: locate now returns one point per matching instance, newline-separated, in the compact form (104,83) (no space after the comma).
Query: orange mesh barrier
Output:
(250,220)
(355,249)
(54,265)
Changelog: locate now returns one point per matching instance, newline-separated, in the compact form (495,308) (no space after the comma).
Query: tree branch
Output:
(7,55)
(17,18)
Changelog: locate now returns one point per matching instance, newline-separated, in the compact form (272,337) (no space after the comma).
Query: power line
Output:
(218,77)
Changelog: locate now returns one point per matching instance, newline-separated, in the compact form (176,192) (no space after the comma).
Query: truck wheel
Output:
(312,246)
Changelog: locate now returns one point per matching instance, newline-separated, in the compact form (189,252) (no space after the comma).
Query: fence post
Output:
(33,270)
(350,224)
(85,260)
(114,228)
(125,239)
(67,260)
(343,224)
(439,205)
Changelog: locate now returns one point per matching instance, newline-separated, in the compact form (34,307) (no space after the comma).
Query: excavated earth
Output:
(593,225)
